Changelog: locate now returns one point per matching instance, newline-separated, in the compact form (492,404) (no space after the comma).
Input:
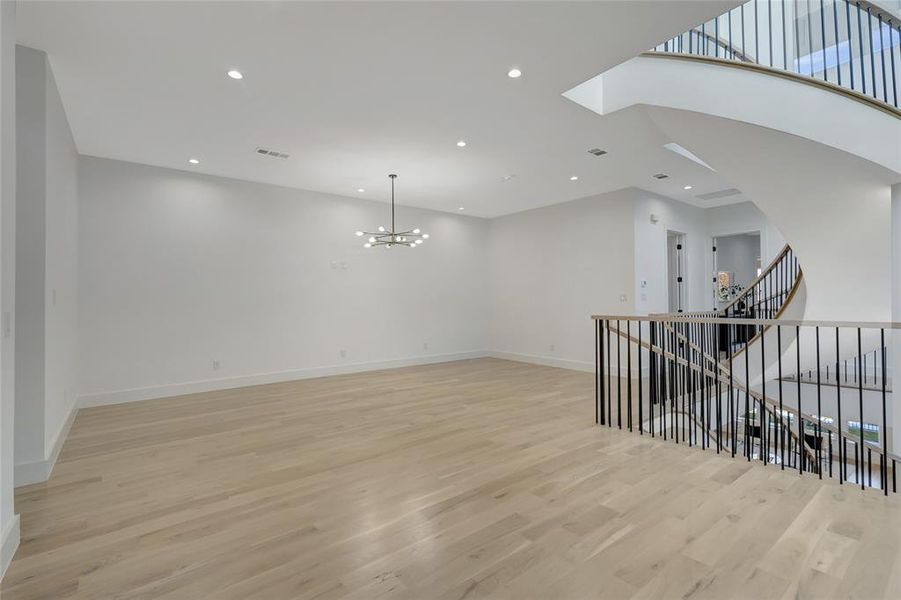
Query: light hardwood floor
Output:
(472,479)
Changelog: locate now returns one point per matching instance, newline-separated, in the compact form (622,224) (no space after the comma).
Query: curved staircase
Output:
(730,380)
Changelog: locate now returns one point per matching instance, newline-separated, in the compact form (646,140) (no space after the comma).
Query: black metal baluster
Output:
(744,48)
(719,389)
(674,385)
(810,37)
(869,466)
(716,36)
(598,386)
(823,37)
(819,410)
(747,400)
(652,376)
(891,53)
(764,452)
(703,37)
(629,374)
(842,471)
(731,47)
(884,430)
(756,37)
(664,379)
(784,51)
(800,409)
(850,45)
(872,53)
(860,403)
(619,378)
(882,59)
(780,426)
(609,380)
(838,62)
(863,69)
(733,418)
(640,377)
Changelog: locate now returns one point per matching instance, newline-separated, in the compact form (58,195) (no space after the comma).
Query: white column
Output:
(895,440)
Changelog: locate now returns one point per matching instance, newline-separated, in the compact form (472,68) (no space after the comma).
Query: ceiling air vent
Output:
(597,152)
(719,194)
(272,153)
(660,176)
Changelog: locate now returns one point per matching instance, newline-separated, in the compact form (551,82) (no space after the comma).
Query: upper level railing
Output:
(663,375)
(853,44)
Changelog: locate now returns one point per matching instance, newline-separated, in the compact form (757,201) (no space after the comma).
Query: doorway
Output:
(737,263)
(675,269)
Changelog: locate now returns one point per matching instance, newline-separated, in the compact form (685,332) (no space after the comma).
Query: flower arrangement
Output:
(728,292)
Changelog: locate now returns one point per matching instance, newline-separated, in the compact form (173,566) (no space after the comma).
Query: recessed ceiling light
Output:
(461,144)
(361,190)
(461,208)
(235,74)
(514,73)
(687,187)
(193,161)
(574,178)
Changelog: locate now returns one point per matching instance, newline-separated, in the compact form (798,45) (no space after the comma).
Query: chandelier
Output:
(392,237)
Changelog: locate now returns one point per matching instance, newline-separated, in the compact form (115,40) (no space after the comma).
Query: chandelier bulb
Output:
(359,234)
(381,228)
(416,231)
(412,245)
(367,245)
(372,240)
(425,236)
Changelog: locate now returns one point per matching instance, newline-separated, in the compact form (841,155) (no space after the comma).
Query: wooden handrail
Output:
(759,278)
(742,321)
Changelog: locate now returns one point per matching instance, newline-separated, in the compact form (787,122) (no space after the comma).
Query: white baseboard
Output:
(209,385)
(9,544)
(39,471)
(561,363)
(547,361)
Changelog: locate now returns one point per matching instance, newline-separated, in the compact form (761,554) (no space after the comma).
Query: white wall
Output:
(179,270)
(46,268)
(651,253)
(31,205)
(553,267)
(9,521)
(61,269)
(745,217)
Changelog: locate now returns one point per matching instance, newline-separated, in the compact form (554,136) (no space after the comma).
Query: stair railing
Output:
(854,45)
(655,376)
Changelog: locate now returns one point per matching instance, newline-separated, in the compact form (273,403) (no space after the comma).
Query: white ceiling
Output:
(353,91)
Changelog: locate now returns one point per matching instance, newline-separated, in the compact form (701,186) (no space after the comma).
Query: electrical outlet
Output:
(343,353)
(215,365)
(623,298)
(425,345)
